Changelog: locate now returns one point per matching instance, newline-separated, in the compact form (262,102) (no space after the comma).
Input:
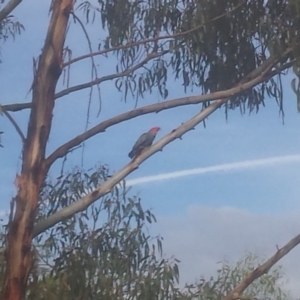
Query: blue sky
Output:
(204,217)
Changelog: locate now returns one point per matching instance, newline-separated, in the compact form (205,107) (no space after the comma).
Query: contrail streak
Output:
(243,165)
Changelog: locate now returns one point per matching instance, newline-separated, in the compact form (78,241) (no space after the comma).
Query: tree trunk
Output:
(18,249)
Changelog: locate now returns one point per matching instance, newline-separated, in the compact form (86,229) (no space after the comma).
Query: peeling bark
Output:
(18,252)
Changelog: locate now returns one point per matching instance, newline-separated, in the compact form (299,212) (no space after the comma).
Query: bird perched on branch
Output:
(144,141)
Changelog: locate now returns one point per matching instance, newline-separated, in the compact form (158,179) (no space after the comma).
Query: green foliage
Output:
(104,252)
(210,45)
(10,27)
(268,286)
(296,87)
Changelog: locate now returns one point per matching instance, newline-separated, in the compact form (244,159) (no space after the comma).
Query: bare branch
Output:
(264,268)
(14,123)
(150,40)
(8,8)
(110,77)
(62,150)
(16,106)
(106,187)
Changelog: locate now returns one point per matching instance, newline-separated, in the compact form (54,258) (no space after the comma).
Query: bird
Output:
(144,141)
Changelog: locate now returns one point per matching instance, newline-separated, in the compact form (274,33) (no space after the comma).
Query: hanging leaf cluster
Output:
(205,45)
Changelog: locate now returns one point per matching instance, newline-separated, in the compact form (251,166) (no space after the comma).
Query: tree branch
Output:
(106,187)
(8,8)
(264,268)
(15,106)
(109,77)
(63,150)
(18,255)
(14,123)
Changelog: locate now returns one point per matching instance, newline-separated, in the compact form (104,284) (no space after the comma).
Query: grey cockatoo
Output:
(144,141)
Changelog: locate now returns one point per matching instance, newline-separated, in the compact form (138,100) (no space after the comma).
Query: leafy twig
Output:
(8,8)
(111,76)
(154,39)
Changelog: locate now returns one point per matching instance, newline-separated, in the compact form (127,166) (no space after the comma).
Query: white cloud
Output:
(231,167)
(203,236)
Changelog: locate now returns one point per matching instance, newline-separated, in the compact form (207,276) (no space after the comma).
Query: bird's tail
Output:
(131,154)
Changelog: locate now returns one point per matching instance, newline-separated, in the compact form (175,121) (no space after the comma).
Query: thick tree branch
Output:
(106,187)
(8,8)
(236,293)
(63,150)
(19,238)
(111,76)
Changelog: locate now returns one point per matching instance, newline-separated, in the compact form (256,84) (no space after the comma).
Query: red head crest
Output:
(154,129)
